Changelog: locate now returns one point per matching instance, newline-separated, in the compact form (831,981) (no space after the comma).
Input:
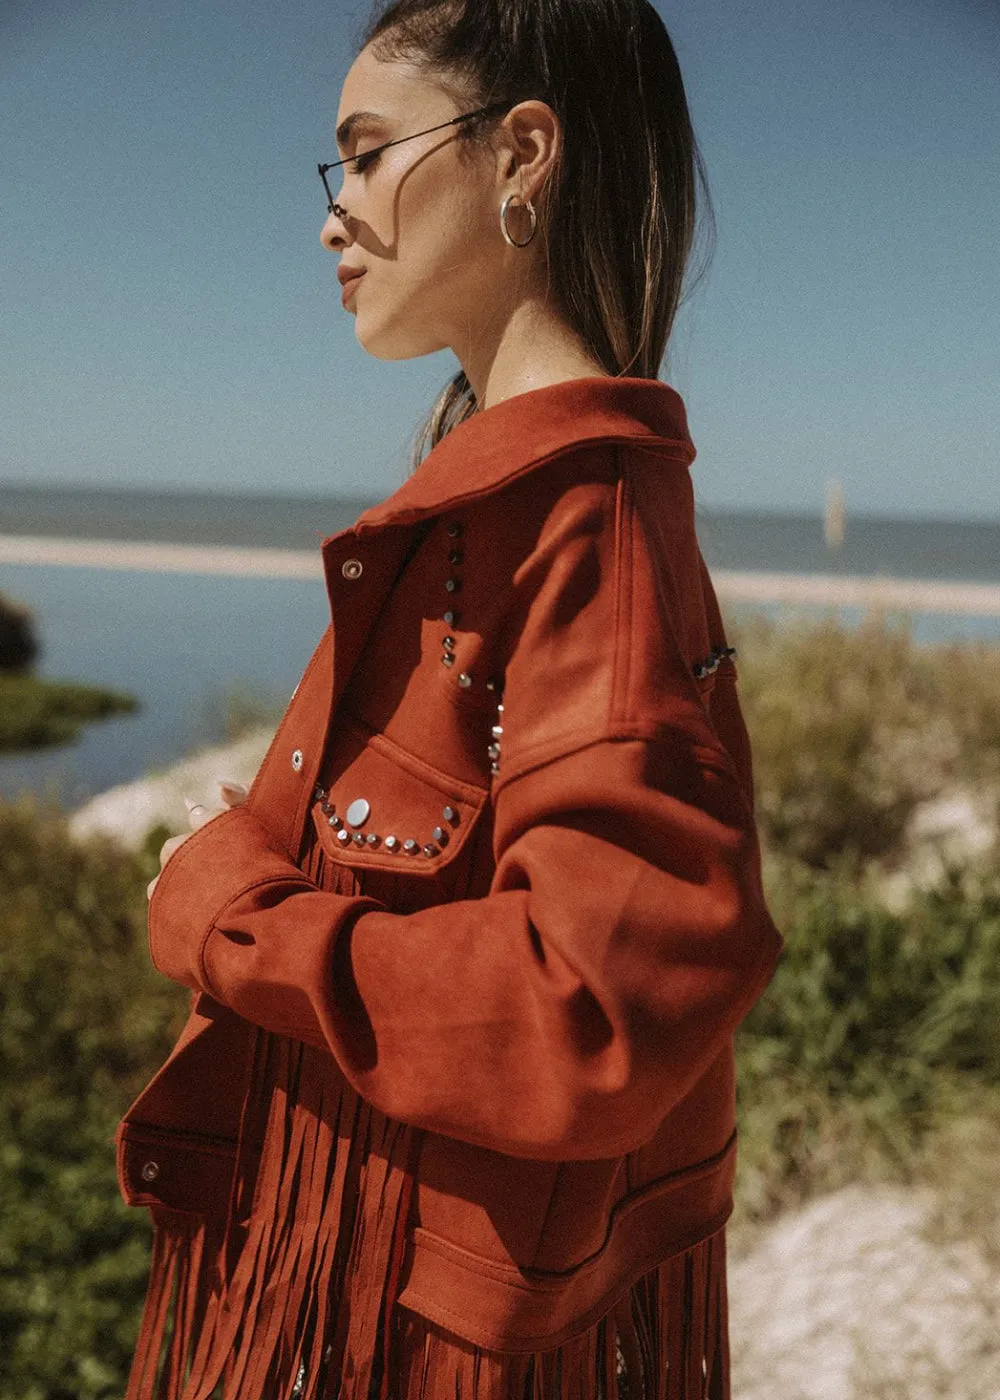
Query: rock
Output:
(18,643)
(129,812)
(956,828)
(848,1298)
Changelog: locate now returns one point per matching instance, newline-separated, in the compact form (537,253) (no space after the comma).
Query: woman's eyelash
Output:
(363,161)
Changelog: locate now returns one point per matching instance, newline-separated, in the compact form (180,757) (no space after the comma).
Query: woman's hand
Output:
(232,795)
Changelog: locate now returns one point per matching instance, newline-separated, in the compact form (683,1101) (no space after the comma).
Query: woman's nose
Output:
(332,233)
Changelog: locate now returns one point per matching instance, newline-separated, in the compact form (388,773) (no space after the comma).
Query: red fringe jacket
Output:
(453,1113)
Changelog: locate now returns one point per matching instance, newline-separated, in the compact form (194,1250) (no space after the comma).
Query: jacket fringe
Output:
(293,1295)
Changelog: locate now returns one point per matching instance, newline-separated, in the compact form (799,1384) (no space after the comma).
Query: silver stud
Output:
(352,568)
(409,845)
(455,528)
(465,680)
(451,617)
(448,642)
(430,849)
(440,835)
(327,807)
(391,843)
(359,839)
(298,758)
(453,584)
(344,837)
(320,793)
(373,838)
(494,750)
(150,1171)
(497,730)
(455,557)
(448,658)
(449,814)
(334,821)
(494,683)
(357,812)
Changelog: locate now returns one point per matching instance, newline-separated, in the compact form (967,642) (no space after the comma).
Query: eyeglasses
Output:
(367,156)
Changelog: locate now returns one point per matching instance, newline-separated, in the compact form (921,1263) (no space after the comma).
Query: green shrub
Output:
(875,1025)
(852,728)
(84,1021)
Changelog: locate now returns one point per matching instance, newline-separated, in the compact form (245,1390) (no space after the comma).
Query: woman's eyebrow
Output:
(359,121)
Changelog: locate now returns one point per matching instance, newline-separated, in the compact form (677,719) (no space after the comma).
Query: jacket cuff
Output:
(224,859)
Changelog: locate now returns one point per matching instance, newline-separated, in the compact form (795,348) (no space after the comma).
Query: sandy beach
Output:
(970,599)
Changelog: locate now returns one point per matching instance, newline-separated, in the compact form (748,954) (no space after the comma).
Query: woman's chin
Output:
(392,343)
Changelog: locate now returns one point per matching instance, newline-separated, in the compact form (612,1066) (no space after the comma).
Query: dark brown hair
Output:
(619,216)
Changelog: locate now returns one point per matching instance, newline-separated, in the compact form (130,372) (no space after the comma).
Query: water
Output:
(180,643)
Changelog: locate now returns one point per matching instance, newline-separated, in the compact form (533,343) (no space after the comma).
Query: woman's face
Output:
(421,222)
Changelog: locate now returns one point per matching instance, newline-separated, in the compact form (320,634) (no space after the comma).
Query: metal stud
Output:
(297,760)
(327,808)
(344,837)
(494,683)
(150,1171)
(494,750)
(373,838)
(455,556)
(465,680)
(409,846)
(455,528)
(448,642)
(430,849)
(335,822)
(391,843)
(359,838)
(453,584)
(352,568)
(440,835)
(320,793)
(451,617)
(450,815)
(497,730)
(448,658)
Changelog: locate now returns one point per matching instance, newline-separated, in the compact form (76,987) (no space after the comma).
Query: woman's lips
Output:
(349,287)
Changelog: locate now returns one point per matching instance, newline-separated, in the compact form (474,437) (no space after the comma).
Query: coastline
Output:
(955,597)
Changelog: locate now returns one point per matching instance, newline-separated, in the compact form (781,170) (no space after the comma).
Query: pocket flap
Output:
(385,808)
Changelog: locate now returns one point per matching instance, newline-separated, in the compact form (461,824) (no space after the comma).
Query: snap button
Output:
(357,812)
(352,568)
(297,759)
(150,1171)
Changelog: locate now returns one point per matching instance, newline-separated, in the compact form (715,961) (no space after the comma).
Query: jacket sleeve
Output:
(624,934)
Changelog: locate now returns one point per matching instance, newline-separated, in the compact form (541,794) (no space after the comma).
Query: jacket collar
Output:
(520,433)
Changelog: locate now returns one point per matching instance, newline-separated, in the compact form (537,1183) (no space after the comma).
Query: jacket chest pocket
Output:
(380,807)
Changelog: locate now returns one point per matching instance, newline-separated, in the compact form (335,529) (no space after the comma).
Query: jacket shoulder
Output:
(606,618)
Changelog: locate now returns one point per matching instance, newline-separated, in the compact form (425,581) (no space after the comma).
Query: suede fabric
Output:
(545,986)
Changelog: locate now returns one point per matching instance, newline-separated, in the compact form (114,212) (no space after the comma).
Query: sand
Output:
(735,586)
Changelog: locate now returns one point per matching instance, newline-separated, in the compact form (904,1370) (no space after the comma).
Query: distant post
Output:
(833,515)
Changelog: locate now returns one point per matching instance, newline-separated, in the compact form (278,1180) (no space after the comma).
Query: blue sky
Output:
(169,318)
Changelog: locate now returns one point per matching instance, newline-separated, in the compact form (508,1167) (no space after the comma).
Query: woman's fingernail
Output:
(190,804)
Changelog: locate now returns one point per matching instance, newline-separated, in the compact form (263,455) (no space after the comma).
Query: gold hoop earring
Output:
(503,221)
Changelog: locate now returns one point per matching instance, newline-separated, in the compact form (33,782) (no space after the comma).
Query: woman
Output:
(453,1112)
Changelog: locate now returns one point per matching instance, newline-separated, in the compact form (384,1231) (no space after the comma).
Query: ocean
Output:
(182,642)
